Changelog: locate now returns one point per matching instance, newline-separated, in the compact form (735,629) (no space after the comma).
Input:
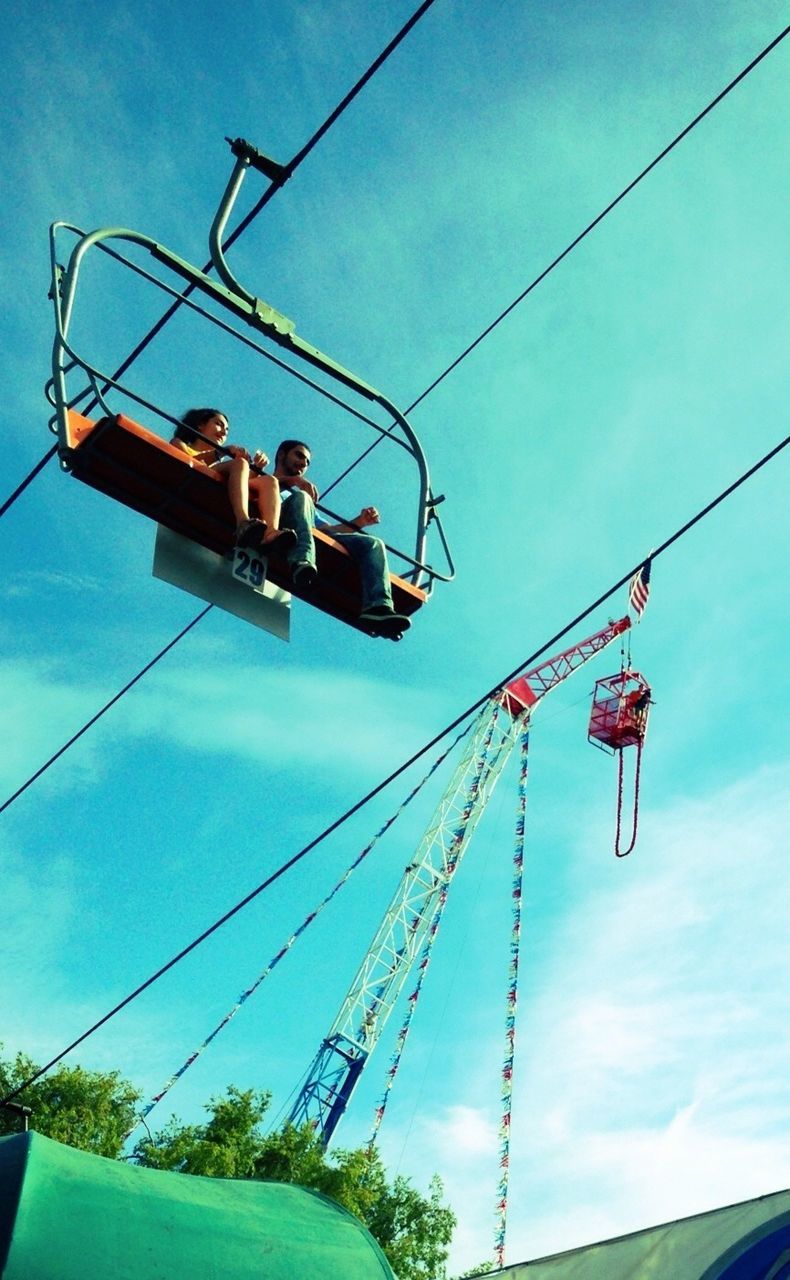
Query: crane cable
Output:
(287,171)
(685,528)
(355,808)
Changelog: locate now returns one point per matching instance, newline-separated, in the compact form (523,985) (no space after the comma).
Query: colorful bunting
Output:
(245,995)
(510,1017)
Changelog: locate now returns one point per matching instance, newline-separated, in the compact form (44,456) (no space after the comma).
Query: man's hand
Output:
(260,459)
(368,515)
(298,482)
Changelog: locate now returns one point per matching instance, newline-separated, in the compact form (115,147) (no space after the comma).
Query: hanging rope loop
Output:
(618,852)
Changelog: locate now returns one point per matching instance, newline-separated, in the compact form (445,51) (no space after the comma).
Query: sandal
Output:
(250,533)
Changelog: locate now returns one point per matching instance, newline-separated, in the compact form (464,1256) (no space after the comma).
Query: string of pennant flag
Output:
(510,1012)
(308,920)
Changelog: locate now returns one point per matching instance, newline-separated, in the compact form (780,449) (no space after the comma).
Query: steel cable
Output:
(396,773)
(290,169)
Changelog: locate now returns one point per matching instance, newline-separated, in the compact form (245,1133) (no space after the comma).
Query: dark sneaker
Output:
(304,574)
(381,620)
(279,544)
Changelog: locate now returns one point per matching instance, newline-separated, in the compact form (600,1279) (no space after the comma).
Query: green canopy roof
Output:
(68,1215)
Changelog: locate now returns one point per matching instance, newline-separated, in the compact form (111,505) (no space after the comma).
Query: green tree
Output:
(413,1230)
(92,1110)
(227,1146)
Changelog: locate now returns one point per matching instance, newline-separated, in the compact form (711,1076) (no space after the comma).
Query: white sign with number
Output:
(250,568)
(236,582)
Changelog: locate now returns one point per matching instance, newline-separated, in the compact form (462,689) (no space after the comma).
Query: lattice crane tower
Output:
(402,932)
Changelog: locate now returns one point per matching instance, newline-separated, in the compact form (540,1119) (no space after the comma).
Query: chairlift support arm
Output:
(230,294)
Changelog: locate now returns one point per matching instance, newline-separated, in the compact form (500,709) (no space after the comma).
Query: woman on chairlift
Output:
(202,434)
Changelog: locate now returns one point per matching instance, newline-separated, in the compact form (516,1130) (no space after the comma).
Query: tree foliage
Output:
(227,1146)
(413,1230)
(94,1111)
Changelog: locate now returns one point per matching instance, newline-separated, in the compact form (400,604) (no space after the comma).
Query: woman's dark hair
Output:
(285,446)
(192,421)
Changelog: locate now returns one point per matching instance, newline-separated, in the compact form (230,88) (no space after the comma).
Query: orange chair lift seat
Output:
(138,468)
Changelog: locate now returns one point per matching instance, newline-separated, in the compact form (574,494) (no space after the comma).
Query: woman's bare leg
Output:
(238,487)
(267,491)
(236,472)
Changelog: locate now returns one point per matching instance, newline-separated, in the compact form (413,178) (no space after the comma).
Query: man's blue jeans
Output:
(298,513)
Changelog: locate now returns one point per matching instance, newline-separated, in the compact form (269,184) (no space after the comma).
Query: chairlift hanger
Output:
(136,466)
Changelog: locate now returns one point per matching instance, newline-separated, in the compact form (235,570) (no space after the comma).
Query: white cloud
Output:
(460,1133)
(42,709)
(652,1053)
(32,583)
(347,721)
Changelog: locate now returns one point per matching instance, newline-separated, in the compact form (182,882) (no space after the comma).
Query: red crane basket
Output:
(619,711)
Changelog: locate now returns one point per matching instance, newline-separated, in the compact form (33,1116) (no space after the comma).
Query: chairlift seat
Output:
(138,468)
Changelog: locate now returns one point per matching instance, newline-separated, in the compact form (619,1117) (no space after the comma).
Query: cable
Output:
(20,489)
(341,106)
(290,168)
(580,617)
(173,308)
(542,276)
(301,155)
(741,480)
(75,737)
(355,808)
(275,185)
(626,190)
(294,937)
(590,227)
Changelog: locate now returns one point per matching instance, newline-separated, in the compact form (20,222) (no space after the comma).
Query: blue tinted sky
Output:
(641,378)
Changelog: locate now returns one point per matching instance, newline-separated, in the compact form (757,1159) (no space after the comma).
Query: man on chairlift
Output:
(298,513)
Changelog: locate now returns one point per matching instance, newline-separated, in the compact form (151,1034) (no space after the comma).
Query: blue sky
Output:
(637,381)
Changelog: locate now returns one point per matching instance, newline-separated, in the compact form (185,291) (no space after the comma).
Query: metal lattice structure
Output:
(398,941)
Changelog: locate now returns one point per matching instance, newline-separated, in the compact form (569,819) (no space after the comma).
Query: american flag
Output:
(639,590)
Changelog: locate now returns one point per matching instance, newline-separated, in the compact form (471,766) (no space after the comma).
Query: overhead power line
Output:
(288,170)
(569,248)
(297,160)
(89,723)
(604,212)
(360,804)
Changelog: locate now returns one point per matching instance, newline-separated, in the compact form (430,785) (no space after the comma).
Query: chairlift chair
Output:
(133,464)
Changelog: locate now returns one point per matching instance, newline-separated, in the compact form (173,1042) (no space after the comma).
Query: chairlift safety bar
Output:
(231,295)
